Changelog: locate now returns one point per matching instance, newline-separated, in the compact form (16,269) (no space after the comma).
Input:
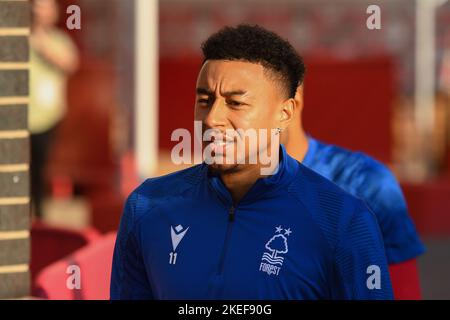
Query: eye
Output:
(234,103)
(203,101)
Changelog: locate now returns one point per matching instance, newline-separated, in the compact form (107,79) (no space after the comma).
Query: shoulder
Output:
(345,158)
(357,172)
(364,177)
(157,190)
(173,182)
(331,207)
(371,168)
(317,187)
(61,38)
(375,183)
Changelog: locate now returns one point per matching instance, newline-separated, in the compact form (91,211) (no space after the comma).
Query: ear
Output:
(287,113)
(299,99)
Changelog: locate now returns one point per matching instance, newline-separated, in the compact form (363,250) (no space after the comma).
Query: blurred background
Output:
(385,92)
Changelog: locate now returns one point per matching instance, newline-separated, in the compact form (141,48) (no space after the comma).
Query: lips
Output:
(219,146)
(220,142)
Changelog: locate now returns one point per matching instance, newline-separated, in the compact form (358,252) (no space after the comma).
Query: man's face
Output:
(234,95)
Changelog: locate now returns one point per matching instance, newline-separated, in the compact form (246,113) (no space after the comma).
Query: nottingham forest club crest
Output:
(277,246)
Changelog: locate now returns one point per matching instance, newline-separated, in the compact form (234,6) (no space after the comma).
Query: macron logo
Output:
(177,235)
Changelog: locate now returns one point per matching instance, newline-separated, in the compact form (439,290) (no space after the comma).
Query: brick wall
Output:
(14,149)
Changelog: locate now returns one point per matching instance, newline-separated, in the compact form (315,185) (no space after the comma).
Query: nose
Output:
(216,116)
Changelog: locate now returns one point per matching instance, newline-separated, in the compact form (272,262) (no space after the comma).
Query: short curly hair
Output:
(253,43)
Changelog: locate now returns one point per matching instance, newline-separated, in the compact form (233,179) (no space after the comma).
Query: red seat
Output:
(94,263)
(50,244)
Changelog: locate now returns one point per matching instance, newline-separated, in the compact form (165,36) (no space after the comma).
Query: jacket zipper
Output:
(231,214)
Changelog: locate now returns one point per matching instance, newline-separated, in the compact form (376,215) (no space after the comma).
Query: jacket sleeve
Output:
(400,237)
(128,276)
(360,261)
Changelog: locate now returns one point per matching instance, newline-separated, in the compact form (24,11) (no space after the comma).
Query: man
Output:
(224,230)
(371,181)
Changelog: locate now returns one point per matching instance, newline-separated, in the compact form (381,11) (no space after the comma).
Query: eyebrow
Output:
(226,94)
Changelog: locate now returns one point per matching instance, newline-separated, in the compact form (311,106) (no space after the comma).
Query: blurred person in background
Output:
(53,57)
(444,95)
(368,179)
(444,72)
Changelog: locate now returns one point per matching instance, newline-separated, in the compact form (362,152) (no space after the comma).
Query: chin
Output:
(223,168)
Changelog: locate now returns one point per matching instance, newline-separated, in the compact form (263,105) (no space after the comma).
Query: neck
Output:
(36,26)
(296,142)
(240,181)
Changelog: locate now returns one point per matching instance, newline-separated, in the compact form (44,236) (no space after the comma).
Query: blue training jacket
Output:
(294,235)
(368,179)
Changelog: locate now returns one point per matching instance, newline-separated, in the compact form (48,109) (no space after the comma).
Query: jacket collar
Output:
(263,187)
